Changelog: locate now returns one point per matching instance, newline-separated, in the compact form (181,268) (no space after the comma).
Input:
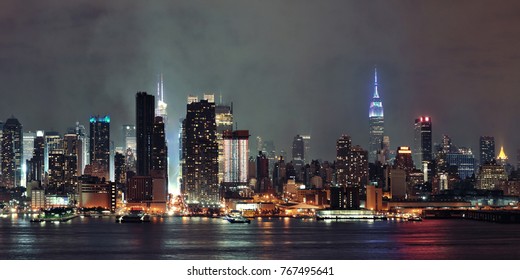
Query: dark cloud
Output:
(288,66)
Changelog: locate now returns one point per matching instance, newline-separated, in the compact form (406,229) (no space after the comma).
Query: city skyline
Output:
(450,74)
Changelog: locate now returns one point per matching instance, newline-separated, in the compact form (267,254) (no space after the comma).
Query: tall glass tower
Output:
(376,119)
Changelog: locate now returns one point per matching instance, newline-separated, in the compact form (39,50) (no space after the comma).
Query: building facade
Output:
(200,151)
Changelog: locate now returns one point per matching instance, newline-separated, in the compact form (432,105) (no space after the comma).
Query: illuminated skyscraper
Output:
(83,148)
(502,157)
(423,141)
(351,172)
(36,165)
(343,147)
(200,151)
(145,105)
(358,167)
(71,148)
(12,149)
(99,149)
(129,147)
(224,121)
(28,148)
(160,110)
(376,119)
(236,158)
(487,149)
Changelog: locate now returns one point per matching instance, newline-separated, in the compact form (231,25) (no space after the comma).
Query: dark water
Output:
(275,238)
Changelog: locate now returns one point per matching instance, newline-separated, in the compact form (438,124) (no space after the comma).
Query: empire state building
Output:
(376,119)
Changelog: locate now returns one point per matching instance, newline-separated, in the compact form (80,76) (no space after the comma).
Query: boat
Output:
(235,217)
(55,215)
(415,218)
(134,216)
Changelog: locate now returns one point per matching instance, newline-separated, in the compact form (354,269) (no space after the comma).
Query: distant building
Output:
(464,161)
(263,182)
(423,141)
(120,168)
(398,184)
(298,154)
(404,159)
(491,176)
(130,146)
(376,121)
(487,149)
(502,157)
(99,150)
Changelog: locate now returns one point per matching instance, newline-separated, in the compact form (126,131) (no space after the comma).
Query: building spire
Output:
(376,94)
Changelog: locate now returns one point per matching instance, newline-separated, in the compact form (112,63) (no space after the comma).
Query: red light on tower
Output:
(421,119)
(427,119)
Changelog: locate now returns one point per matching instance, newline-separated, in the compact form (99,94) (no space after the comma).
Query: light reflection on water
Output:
(264,238)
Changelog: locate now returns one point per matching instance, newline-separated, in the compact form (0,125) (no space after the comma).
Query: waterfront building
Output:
(376,121)
(200,150)
(374,198)
(236,158)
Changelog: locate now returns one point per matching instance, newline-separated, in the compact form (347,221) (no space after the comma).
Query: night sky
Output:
(289,67)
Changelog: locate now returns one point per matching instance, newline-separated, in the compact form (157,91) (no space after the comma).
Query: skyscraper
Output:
(36,165)
(487,149)
(423,141)
(376,120)
(200,151)
(159,148)
(71,147)
(502,157)
(145,105)
(99,149)
(236,158)
(28,148)
(403,159)
(358,167)
(343,147)
(224,121)
(161,105)
(12,149)
(298,154)
(351,165)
